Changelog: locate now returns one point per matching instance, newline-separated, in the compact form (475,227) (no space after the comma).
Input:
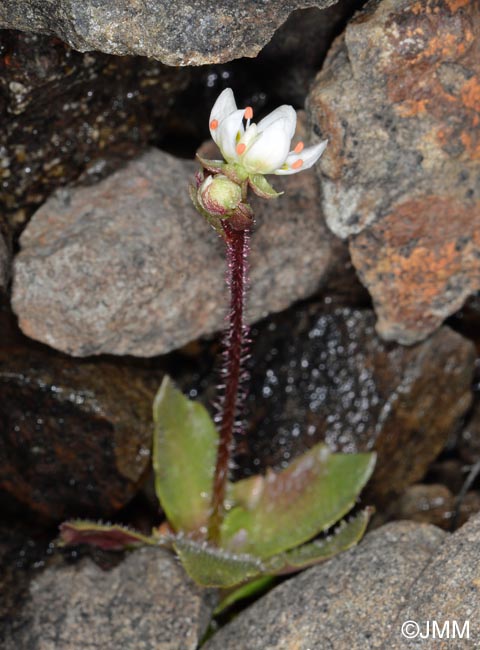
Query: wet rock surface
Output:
(176,33)
(144,602)
(121,267)
(64,113)
(321,373)
(74,437)
(401,174)
(350,602)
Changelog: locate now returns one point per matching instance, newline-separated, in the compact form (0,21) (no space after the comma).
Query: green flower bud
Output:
(219,196)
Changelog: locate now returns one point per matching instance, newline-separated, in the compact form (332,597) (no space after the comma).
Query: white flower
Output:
(261,148)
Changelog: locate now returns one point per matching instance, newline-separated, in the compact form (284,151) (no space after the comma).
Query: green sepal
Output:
(214,166)
(315,491)
(262,187)
(214,567)
(184,455)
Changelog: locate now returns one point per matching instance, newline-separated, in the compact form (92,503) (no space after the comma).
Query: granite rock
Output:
(129,267)
(75,436)
(66,114)
(321,373)
(144,602)
(350,602)
(448,591)
(401,175)
(177,33)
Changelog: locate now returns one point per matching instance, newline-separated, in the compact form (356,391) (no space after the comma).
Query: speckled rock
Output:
(401,174)
(74,437)
(144,602)
(5,255)
(65,113)
(177,33)
(322,373)
(350,602)
(129,267)
(469,441)
(449,590)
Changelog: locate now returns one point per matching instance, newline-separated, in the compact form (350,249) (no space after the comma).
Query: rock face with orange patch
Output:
(399,99)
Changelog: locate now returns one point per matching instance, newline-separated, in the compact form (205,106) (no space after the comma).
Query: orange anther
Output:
(299,147)
(214,124)
(248,113)
(240,148)
(297,164)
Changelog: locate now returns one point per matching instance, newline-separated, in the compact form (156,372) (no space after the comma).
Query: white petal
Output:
(270,149)
(226,135)
(308,156)
(224,105)
(250,134)
(284,112)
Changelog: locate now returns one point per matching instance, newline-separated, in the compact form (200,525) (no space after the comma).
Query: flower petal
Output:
(270,149)
(284,112)
(226,135)
(308,156)
(224,105)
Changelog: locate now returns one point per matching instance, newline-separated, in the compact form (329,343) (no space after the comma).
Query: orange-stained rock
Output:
(399,99)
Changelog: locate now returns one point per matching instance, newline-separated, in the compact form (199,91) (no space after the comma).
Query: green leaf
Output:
(288,508)
(254,588)
(214,166)
(110,537)
(184,455)
(347,534)
(214,567)
(262,187)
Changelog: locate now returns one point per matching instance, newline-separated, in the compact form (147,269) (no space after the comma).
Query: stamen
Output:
(248,113)
(240,148)
(297,164)
(299,147)
(214,124)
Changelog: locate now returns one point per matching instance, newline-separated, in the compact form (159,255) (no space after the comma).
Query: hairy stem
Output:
(237,242)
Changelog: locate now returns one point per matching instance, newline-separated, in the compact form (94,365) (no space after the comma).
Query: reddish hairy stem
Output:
(234,342)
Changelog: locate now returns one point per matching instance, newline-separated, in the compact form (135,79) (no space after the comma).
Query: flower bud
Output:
(219,196)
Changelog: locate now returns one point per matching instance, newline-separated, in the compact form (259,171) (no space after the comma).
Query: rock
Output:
(5,255)
(177,33)
(350,602)
(291,60)
(144,602)
(321,373)
(469,441)
(430,504)
(400,175)
(449,590)
(65,113)
(74,437)
(129,267)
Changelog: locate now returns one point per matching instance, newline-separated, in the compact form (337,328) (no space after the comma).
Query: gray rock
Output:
(449,591)
(350,602)
(144,603)
(129,267)
(177,33)
(401,174)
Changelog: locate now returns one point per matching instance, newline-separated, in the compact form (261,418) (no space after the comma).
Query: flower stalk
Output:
(235,341)
(250,151)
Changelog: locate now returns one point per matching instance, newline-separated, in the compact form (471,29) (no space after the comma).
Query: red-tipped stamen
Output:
(299,147)
(214,125)
(297,164)
(240,148)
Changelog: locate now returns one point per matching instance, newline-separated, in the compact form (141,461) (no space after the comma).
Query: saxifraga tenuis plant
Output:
(239,534)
